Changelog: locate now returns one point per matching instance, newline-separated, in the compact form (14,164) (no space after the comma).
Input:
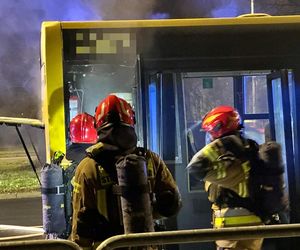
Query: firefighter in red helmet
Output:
(97,214)
(82,135)
(224,167)
(113,105)
(82,129)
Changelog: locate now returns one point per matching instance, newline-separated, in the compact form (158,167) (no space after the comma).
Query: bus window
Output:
(255,94)
(201,94)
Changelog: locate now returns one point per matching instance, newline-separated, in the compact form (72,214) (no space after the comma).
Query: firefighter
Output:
(82,135)
(225,169)
(96,207)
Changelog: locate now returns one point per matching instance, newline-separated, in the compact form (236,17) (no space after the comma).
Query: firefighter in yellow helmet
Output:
(224,167)
(96,208)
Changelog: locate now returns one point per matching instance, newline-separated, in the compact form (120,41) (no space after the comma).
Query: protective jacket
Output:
(225,171)
(96,209)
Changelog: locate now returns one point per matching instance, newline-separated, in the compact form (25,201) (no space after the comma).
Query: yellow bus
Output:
(173,71)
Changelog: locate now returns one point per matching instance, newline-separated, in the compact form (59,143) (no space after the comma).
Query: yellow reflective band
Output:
(219,173)
(207,185)
(207,153)
(76,184)
(76,187)
(246,168)
(214,151)
(221,170)
(243,189)
(150,168)
(210,153)
(237,220)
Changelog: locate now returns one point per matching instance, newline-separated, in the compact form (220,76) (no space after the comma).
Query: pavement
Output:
(25,210)
(32,194)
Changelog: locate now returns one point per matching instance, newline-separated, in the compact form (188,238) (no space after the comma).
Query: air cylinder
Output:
(135,194)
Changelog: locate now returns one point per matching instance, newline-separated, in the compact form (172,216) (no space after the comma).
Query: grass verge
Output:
(17,176)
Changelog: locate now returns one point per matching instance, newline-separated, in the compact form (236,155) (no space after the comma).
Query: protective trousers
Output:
(251,244)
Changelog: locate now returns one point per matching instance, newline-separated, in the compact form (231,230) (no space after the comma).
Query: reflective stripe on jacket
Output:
(219,165)
(229,217)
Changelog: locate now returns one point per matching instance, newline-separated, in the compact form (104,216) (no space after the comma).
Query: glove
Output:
(91,224)
(168,203)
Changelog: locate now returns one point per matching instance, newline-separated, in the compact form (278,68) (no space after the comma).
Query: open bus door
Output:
(281,125)
(167,135)
(281,131)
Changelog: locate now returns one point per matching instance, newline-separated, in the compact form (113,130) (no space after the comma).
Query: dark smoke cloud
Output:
(278,7)
(232,8)
(20,87)
(118,9)
(137,9)
(20,92)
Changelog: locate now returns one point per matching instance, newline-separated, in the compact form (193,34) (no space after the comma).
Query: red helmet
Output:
(221,120)
(114,110)
(82,129)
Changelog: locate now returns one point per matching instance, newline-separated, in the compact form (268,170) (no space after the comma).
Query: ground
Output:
(16,174)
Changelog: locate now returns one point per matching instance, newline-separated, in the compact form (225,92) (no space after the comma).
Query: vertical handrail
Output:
(34,147)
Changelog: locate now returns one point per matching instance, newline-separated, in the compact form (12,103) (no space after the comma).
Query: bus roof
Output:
(251,19)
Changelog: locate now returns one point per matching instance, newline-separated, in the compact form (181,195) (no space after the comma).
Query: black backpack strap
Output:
(234,144)
(125,190)
(229,198)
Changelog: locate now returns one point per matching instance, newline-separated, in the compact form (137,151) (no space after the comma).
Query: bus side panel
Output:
(53,94)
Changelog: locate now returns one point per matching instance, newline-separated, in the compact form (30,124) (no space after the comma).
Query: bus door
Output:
(175,104)
(281,129)
(162,125)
